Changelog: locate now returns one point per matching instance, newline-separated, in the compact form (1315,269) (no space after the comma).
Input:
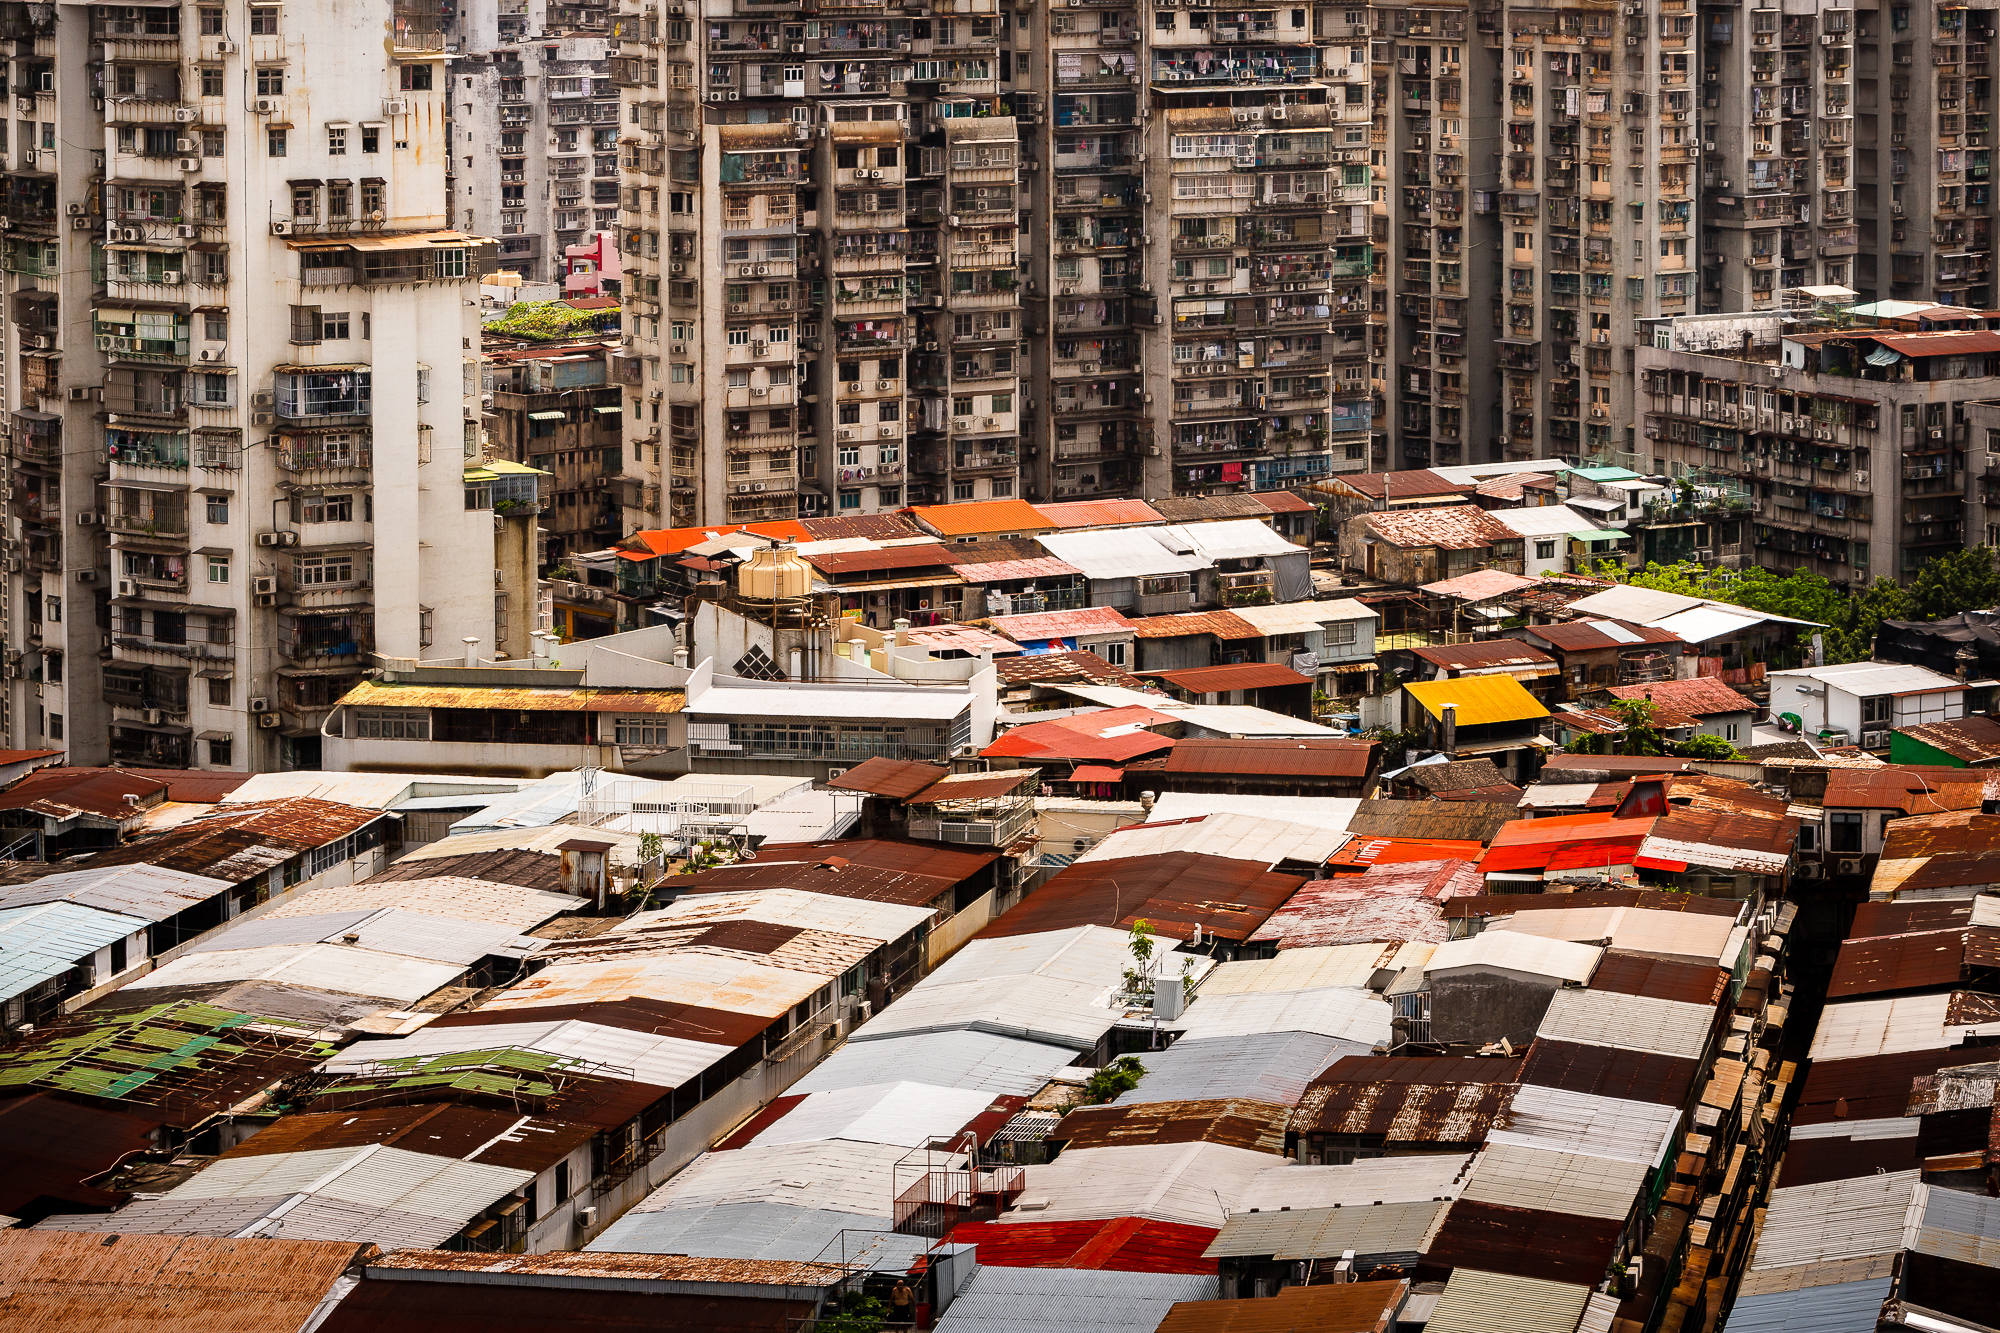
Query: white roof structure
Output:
(665,1062)
(1332,813)
(1228,539)
(1517,951)
(1196,1184)
(1078,1300)
(1874,678)
(735,1231)
(1640,606)
(1471,474)
(1302,617)
(1274,1067)
(1312,968)
(987,1062)
(1546,520)
(347,969)
(392,930)
(544,838)
(1517,1175)
(1690,935)
(1628,1022)
(1332,1011)
(370,791)
(1419,1178)
(838,1175)
(1708,622)
(1235,720)
(1233,837)
(787,907)
(148,892)
(905,1113)
(1122,553)
(1585,1124)
(930,703)
(1037,1008)
(1084,954)
(1852,1218)
(688,976)
(1475,1301)
(1884,1027)
(453,896)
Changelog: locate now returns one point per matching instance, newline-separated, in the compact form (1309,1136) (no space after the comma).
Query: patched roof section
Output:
(1976,740)
(1386,903)
(235,842)
(1452,528)
(1703,696)
(1073,665)
(1238,1123)
(1420,1099)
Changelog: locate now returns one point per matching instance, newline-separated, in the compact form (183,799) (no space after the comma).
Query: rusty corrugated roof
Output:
(235,842)
(1655,900)
(1076,664)
(1703,696)
(1232,676)
(1906,787)
(1346,1307)
(1449,528)
(1404,485)
(1390,903)
(440,1129)
(1556,1247)
(1411,1099)
(1914,961)
(1578,636)
(1893,918)
(65,793)
(1969,342)
(1222,624)
(1259,1126)
(975,786)
(51,1148)
(898,779)
(1315,757)
(1662,978)
(1974,739)
(1606,1071)
(1099,513)
(1118,1245)
(1434,820)
(579,699)
(1209,508)
(577,1265)
(835,563)
(875,527)
(1175,893)
(877,869)
(1492,653)
(1478,586)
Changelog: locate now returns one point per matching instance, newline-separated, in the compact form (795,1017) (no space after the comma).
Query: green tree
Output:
(1706,747)
(1641,736)
(1964,580)
(1120,1076)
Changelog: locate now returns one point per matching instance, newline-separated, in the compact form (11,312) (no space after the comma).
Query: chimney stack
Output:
(471,651)
(1450,738)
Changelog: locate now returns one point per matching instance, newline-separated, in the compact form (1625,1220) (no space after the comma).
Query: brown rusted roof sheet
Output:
(581,1266)
(1175,892)
(525,698)
(875,527)
(1976,740)
(1457,775)
(166,1284)
(522,869)
(1556,1247)
(1656,900)
(1453,821)
(1894,918)
(1811,1161)
(837,563)
(1478,586)
(236,842)
(1449,528)
(877,869)
(1420,1098)
(899,779)
(1076,664)
(1348,1307)
(1404,485)
(1385,903)
(1873,1087)
(1969,342)
(440,1129)
(976,786)
(1232,676)
(1662,978)
(1910,788)
(1281,502)
(1915,961)
(1969,1007)
(662,1018)
(1258,1126)
(1274,758)
(65,793)
(1209,508)
(49,1148)
(1222,624)
(1608,763)
(1605,1071)
(1492,653)
(1703,696)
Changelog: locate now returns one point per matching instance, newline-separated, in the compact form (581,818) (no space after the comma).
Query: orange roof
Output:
(966,520)
(672,541)
(1532,844)
(1362,852)
(1100,513)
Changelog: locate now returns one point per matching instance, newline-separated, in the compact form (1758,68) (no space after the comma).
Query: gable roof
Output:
(1452,528)
(1480,699)
(1703,696)
(964,520)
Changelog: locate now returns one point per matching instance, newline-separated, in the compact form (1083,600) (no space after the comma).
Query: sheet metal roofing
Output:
(385,930)
(1481,700)
(68,793)
(1478,586)
(1119,1244)
(1555,1120)
(522,869)
(1868,678)
(1195,1184)
(1351,1307)
(1516,1175)
(1394,902)
(1492,655)
(515,698)
(1975,740)
(661,1061)
(1122,553)
(465,1133)
(43,942)
(236,843)
(1913,790)
(861,918)
(1274,758)
(1400,1229)
(448,896)
(1609,1072)
(1436,821)
(1408,1099)
(834,1175)
(1112,734)
(1884,1027)
(964,520)
(167,1284)
(1237,1122)
(1230,677)
(1556,1247)
(1222,624)
(1002,1299)
(1899,962)
(1272,1067)
(898,779)
(1175,891)
(1517,951)
(1310,969)
(1837,1219)
(1334,1011)
(143,891)
(349,969)
(879,869)
(1839,1307)
(904,1112)
(1628,1022)
(1411,1178)
(1482,1302)
(735,1231)
(976,786)
(1591,635)
(1687,935)
(707,980)
(1449,528)
(1075,664)
(987,1062)
(1702,696)
(1100,513)
(1234,837)
(1079,622)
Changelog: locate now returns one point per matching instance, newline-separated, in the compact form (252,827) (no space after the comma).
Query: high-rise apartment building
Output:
(242,381)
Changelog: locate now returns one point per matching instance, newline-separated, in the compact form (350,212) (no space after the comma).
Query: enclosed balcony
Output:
(323,394)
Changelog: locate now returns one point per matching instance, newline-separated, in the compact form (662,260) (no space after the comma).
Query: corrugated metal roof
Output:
(899,779)
(1334,1011)
(1660,978)
(1517,951)
(1350,1307)
(523,869)
(1481,700)
(837,1176)
(1222,624)
(1175,891)
(1047,1300)
(452,897)
(1688,935)
(1413,1178)
(157,1284)
(385,930)
(1491,654)
(1840,1307)
(1115,734)
(1119,1244)
(1238,676)
(1578,1123)
(709,980)
(1608,1072)
(1100,513)
(575,1267)
(964,520)
(858,917)
(1310,969)
(1976,740)
(1239,1123)
(237,842)
(735,1231)
(1955,1224)
(1386,902)
(1305,757)
(1448,527)
(515,698)
(1268,1067)
(468,1133)
(349,969)
(833,563)
(1479,1302)
(1074,664)
(987,1062)
(136,890)
(879,869)
(906,1113)
(43,942)
(1496,1238)
(1700,696)
(1628,1022)
(1324,1233)
(1898,962)
(1408,1099)
(1250,838)
(66,793)
(976,786)
(665,1062)
(1080,621)
(1121,553)
(1836,1219)
(1196,1184)
(1430,820)
(1479,585)
(1883,1027)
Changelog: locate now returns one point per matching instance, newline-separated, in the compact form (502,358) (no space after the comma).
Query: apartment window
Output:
(314,571)
(218,691)
(329,509)
(211,143)
(212,389)
(270,80)
(850,499)
(274,143)
(961,490)
(336,140)
(218,508)
(1002,488)
(1876,709)
(1545,550)
(55,726)
(416,78)
(339,201)
(1843,831)
(371,139)
(332,326)
(218,569)
(393,724)
(211,81)
(372,198)
(305,201)
(221,751)
(263,20)
(211,22)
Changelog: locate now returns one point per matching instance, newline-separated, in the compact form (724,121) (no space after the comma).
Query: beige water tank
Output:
(774,574)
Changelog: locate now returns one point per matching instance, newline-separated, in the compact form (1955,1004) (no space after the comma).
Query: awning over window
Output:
(1884,356)
(547,416)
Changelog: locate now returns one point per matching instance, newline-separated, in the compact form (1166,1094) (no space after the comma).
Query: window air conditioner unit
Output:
(270,106)
(395,106)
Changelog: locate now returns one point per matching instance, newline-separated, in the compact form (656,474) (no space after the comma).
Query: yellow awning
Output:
(1480,699)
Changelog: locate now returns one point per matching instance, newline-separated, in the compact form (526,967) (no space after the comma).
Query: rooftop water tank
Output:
(774,574)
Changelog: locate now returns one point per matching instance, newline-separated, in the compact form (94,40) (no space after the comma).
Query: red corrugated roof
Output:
(1365,852)
(1232,676)
(1222,624)
(1344,758)
(1971,342)
(965,520)
(1703,696)
(1283,502)
(672,541)
(1530,844)
(1099,513)
(1000,571)
(1040,626)
(1085,736)
(1119,1245)
(1175,892)
(929,556)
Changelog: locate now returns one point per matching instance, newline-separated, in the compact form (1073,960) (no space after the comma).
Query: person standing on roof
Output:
(904,1303)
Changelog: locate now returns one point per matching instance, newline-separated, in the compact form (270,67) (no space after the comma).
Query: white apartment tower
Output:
(242,380)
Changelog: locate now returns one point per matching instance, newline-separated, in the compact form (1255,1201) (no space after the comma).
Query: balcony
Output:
(328,395)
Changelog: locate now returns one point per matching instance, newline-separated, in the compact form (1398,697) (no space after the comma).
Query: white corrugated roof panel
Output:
(1303,617)
(1841,1307)
(1246,722)
(1481,1302)
(372,791)
(1228,539)
(1640,606)
(545,838)
(1346,1012)
(136,890)
(788,907)
(1627,1022)
(705,980)
(1197,1184)
(1517,951)
(1326,1233)
(1868,678)
(373,1176)
(1692,935)
(1519,1176)
(837,1175)
(985,1061)
(1954,1224)
(387,930)
(935,703)
(1039,1008)
(1706,622)
(1070,1300)
(1310,968)
(734,1231)
(452,896)
(1119,553)
(665,1062)
(1414,1179)
(1546,520)
(1233,837)
(43,942)
(1270,1067)
(347,969)
(1578,1122)
(1321,812)
(907,1113)
(1884,1027)
(1837,1219)
(1081,953)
